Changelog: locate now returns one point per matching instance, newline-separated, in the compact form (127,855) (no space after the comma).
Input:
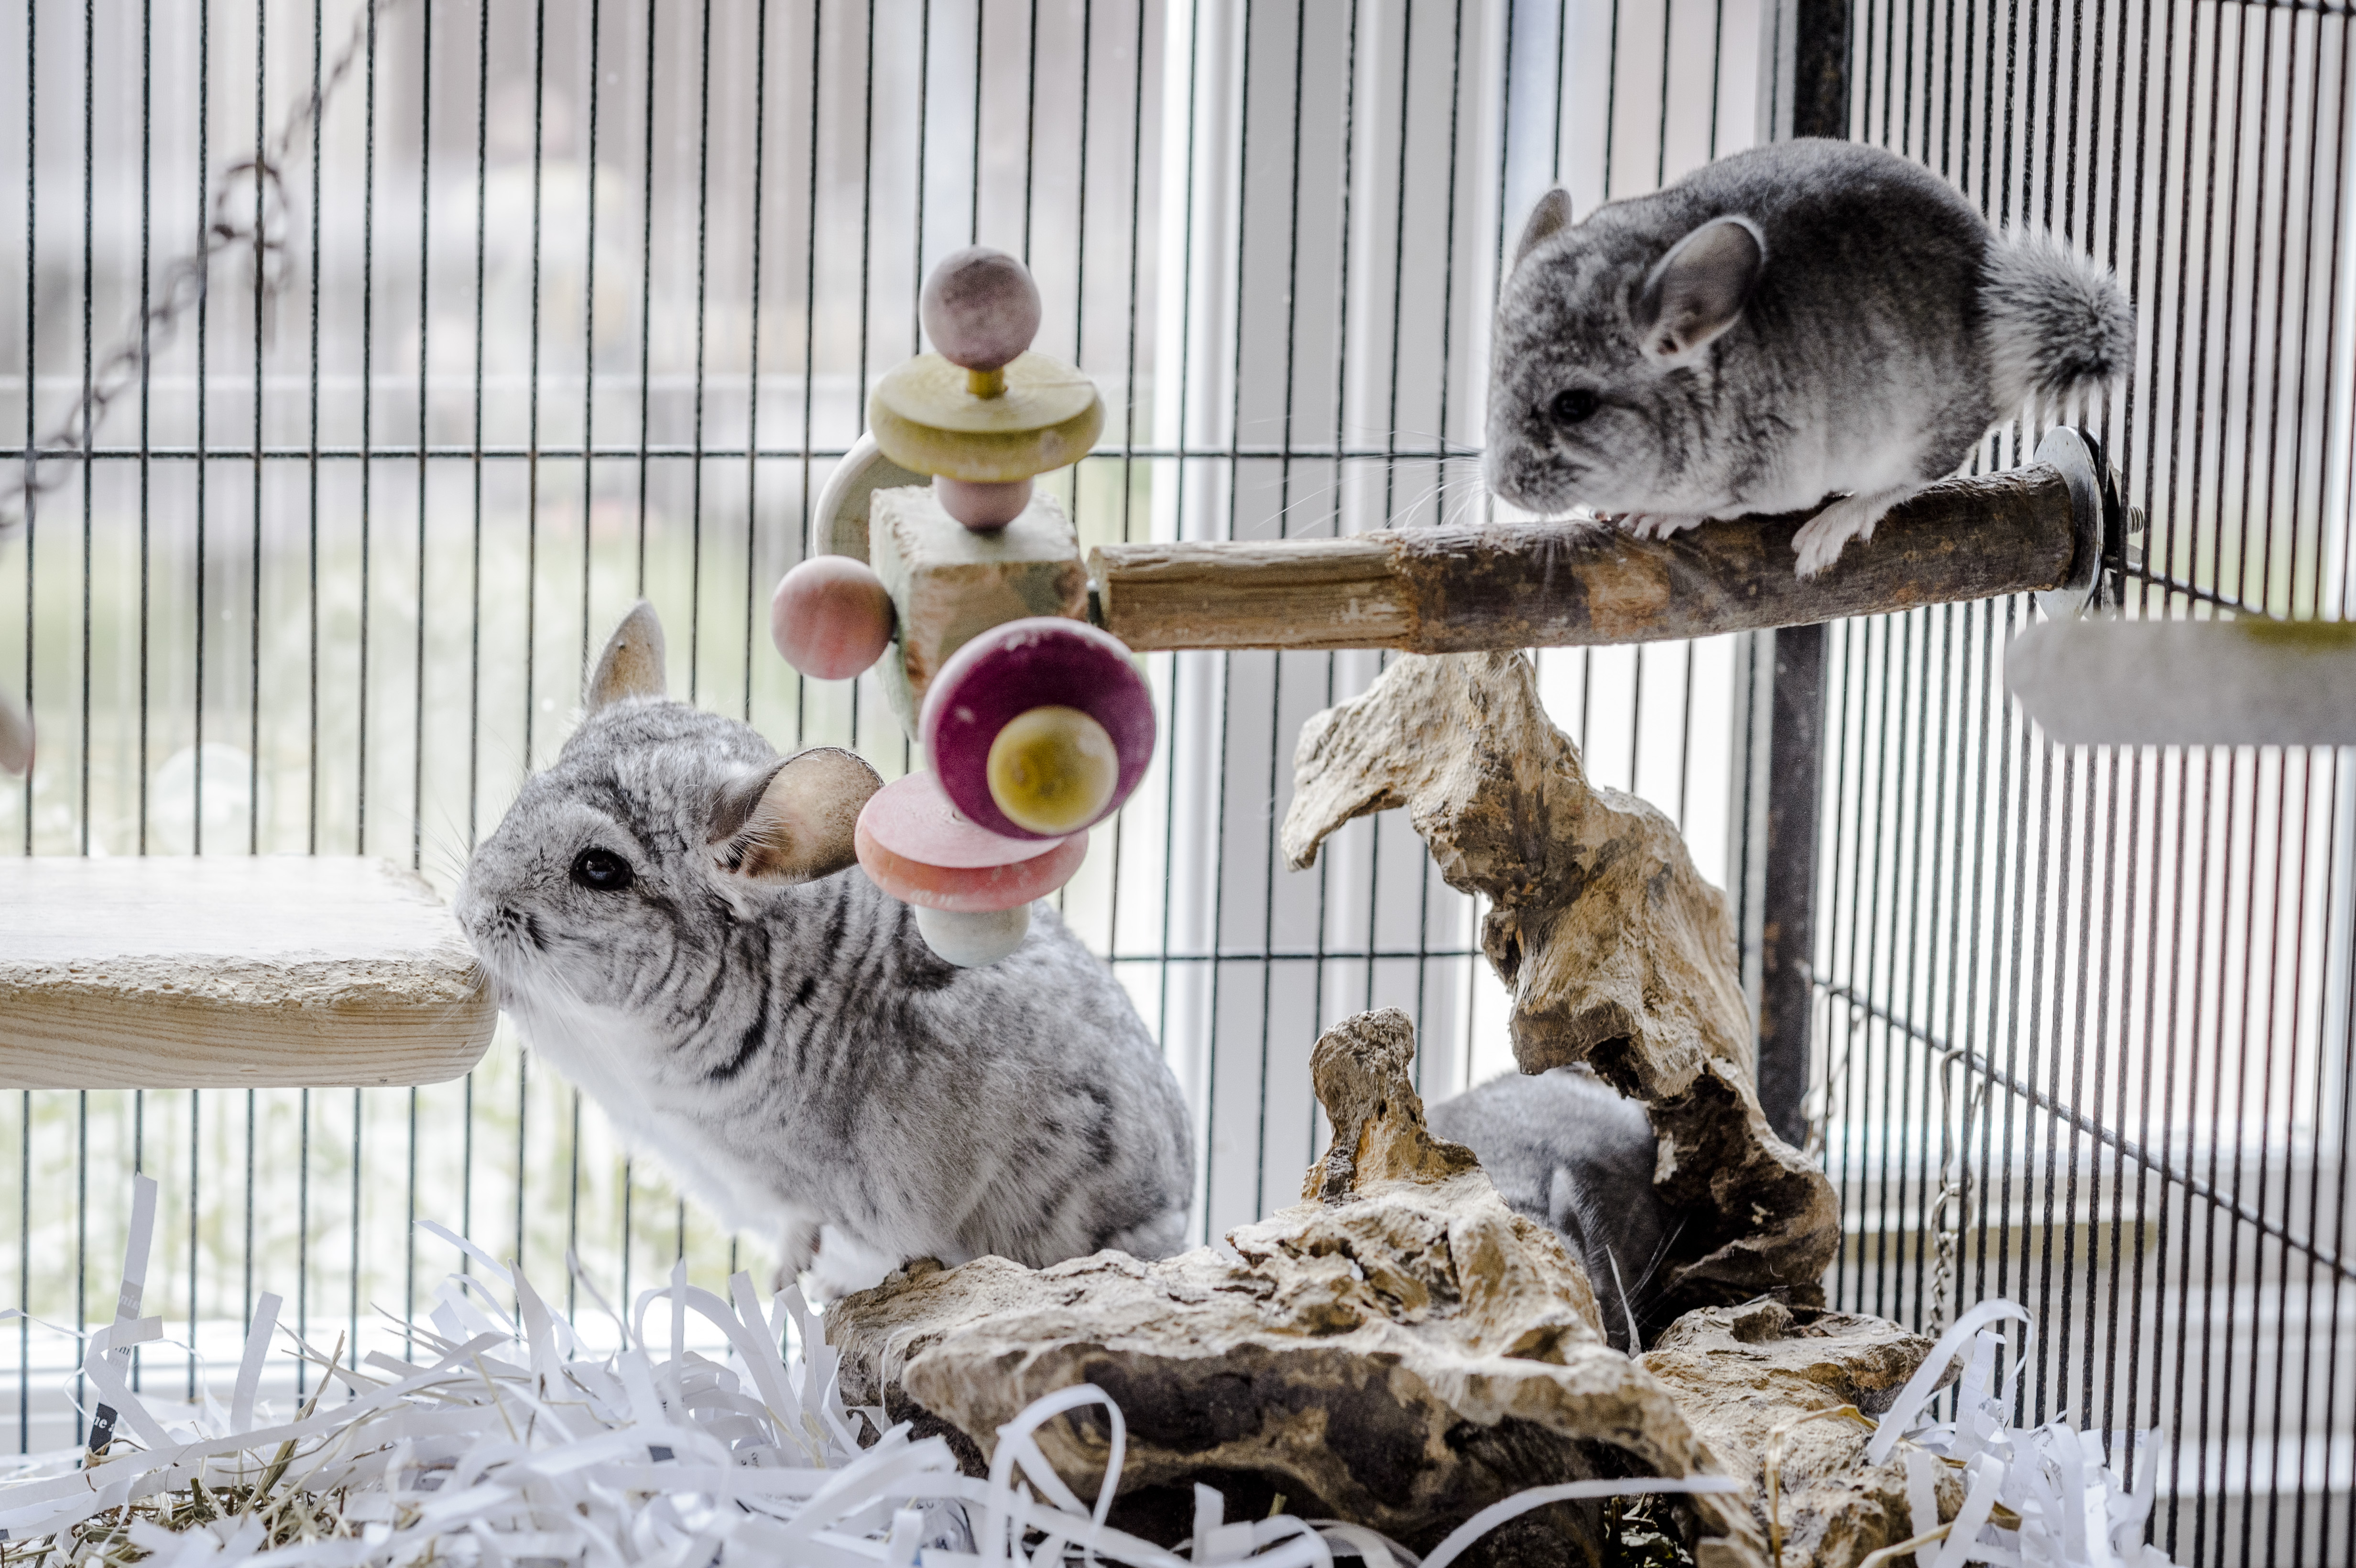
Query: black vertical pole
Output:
(1820,95)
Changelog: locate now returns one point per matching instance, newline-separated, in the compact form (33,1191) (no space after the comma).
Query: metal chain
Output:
(254,186)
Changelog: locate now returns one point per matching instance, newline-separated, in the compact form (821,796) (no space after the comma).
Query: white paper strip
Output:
(514,1443)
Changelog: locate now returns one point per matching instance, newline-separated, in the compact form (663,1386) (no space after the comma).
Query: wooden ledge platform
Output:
(231,972)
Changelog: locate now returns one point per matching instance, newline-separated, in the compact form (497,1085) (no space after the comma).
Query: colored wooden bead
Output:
(980,308)
(981,506)
(1053,770)
(1006,673)
(830,617)
(972,940)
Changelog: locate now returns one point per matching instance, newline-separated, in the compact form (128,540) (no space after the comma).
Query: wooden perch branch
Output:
(1511,585)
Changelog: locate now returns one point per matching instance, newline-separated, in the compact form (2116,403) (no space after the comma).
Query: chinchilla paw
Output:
(1823,537)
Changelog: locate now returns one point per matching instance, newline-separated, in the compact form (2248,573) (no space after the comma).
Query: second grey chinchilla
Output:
(673,915)
(1564,1148)
(1806,319)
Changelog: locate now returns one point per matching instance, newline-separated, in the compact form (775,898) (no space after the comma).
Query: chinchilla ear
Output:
(1550,216)
(793,820)
(632,664)
(1699,288)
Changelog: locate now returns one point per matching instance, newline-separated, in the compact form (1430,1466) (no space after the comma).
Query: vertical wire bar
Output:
(1233,462)
(146,293)
(1275,662)
(1129,365)
(1184,349)
(531,410)
(589,392)
(2332,851)
(88,364)
(695,438)
(646,289)
(32,377)
(417,715)
(1439,467)
(25,1221)
(311,465)
(810,545)
(253,609)
(752,335)
(367,473)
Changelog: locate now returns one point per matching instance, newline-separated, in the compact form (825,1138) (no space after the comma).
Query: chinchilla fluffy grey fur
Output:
(673,915)
(1564,1148)
(1806,319)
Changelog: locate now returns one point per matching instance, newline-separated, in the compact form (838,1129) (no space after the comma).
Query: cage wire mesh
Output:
(547,306)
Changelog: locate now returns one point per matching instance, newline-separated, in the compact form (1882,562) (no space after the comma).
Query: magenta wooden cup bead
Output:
(832,617)
(1013,669)
(980,308)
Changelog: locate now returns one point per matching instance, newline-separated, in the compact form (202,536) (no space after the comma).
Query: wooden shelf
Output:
(231,972)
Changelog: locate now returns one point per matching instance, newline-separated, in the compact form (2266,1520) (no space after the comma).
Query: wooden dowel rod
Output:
(1508,585)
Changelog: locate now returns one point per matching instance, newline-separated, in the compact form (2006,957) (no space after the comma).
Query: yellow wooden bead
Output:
(1053,769)
(925,417)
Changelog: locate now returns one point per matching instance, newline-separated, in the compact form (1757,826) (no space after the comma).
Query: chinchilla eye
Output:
(602,871)
(1574,405)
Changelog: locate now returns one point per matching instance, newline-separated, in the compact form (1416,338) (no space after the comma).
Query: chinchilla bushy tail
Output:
(2058,325)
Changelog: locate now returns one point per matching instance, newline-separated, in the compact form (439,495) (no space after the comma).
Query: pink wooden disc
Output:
(912,819)
(914,846)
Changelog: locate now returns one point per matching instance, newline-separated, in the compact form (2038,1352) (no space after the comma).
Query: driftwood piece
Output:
(1742,1373)
(1399,1349)
(1519,585)
(1618,952)
(232,971)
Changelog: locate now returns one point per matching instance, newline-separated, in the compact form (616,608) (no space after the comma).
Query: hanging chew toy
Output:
(1031,725)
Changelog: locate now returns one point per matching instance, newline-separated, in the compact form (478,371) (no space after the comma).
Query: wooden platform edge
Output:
(233,972)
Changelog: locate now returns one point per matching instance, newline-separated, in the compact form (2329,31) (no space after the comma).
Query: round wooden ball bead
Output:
(980,308)
(972,940)
(832,617)
(981,507)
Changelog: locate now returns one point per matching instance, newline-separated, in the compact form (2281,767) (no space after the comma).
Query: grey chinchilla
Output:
(1564,1148)
(673,915)
(1806,319)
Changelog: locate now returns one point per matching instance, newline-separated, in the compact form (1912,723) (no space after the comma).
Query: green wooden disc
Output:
(924,419)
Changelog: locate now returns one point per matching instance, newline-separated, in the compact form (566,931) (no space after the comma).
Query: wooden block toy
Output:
(232,971)
(949,583)
(1053,728)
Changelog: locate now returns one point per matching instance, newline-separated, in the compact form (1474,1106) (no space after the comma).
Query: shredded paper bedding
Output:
(508,1443)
